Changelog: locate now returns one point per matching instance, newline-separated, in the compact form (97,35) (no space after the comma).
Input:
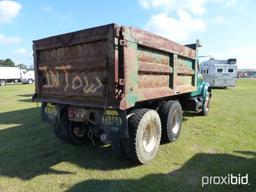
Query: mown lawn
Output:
(32,159)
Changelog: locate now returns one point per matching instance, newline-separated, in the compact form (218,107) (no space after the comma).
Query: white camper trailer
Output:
(219,73)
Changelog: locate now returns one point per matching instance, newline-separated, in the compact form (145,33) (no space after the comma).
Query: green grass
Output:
(32,159)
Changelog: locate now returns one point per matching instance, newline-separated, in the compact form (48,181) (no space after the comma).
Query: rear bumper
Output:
(224,83)
(78,102)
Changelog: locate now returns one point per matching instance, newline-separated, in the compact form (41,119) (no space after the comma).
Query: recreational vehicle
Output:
(219,73)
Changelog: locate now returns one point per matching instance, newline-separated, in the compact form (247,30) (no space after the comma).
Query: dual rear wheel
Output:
(147,128)
(70,131)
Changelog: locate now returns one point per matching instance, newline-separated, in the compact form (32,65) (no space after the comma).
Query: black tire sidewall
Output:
(2,82)
(74,139)
(166,113)
(30,81)
(148,117)
(133,146)
(171,135)
(205,110)
(65,128)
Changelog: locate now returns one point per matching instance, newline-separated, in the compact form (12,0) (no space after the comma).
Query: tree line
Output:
(10,63)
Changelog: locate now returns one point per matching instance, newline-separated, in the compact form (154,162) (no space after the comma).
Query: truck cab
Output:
(27,76)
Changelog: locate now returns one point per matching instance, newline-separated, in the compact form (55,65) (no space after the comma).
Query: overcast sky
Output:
(227,28)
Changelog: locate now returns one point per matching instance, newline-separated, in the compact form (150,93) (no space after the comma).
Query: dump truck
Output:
(15,74)
(119,85)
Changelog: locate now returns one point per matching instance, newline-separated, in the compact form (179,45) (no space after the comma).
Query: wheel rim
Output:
(176,122)
(207,102)
(77,130)
(149,137)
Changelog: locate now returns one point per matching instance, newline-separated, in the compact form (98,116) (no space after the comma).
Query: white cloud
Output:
(144,4)
(178,29)
(9,40)
(245,56)
(196,6)
(226,3)
(23,52)
(218,19)
(177,19)
(23,55)
(191,6)
(9,10)
(163,4)
(230,3)
(47,8)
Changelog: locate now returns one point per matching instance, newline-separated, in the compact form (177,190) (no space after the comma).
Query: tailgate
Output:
(76,68)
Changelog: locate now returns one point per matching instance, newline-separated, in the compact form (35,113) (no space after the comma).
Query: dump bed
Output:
(111,66)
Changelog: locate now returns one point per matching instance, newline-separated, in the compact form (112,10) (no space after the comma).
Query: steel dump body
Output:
(111,66)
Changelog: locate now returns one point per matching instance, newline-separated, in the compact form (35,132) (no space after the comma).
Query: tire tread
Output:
(128,145)
(164,113)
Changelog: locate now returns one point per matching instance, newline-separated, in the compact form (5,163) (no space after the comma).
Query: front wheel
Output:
(144,136)
(206,105)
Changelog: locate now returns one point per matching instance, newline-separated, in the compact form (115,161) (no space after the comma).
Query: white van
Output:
(219,73)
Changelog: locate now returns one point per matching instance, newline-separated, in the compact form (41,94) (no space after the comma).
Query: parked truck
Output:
(121,85)
(15,74)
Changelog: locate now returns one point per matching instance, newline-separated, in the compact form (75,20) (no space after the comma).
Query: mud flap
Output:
(51,113)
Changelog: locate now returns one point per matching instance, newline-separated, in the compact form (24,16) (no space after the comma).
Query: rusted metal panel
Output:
(153,93)
(160,43)
(154,68)
(77,66)
(130,65)
(74,38)
(112,67)
(36,69)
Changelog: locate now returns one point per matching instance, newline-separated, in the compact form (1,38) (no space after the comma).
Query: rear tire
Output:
(144,136)
(171,119)
(2,82)
(70,131)
(30,81)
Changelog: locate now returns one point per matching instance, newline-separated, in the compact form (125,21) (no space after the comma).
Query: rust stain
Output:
(112,66)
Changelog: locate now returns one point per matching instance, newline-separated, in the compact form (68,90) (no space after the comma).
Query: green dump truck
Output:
(121,85)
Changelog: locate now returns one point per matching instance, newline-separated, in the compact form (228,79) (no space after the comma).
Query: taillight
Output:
(71,113)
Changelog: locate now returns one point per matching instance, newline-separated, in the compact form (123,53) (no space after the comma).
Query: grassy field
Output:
(32,159)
